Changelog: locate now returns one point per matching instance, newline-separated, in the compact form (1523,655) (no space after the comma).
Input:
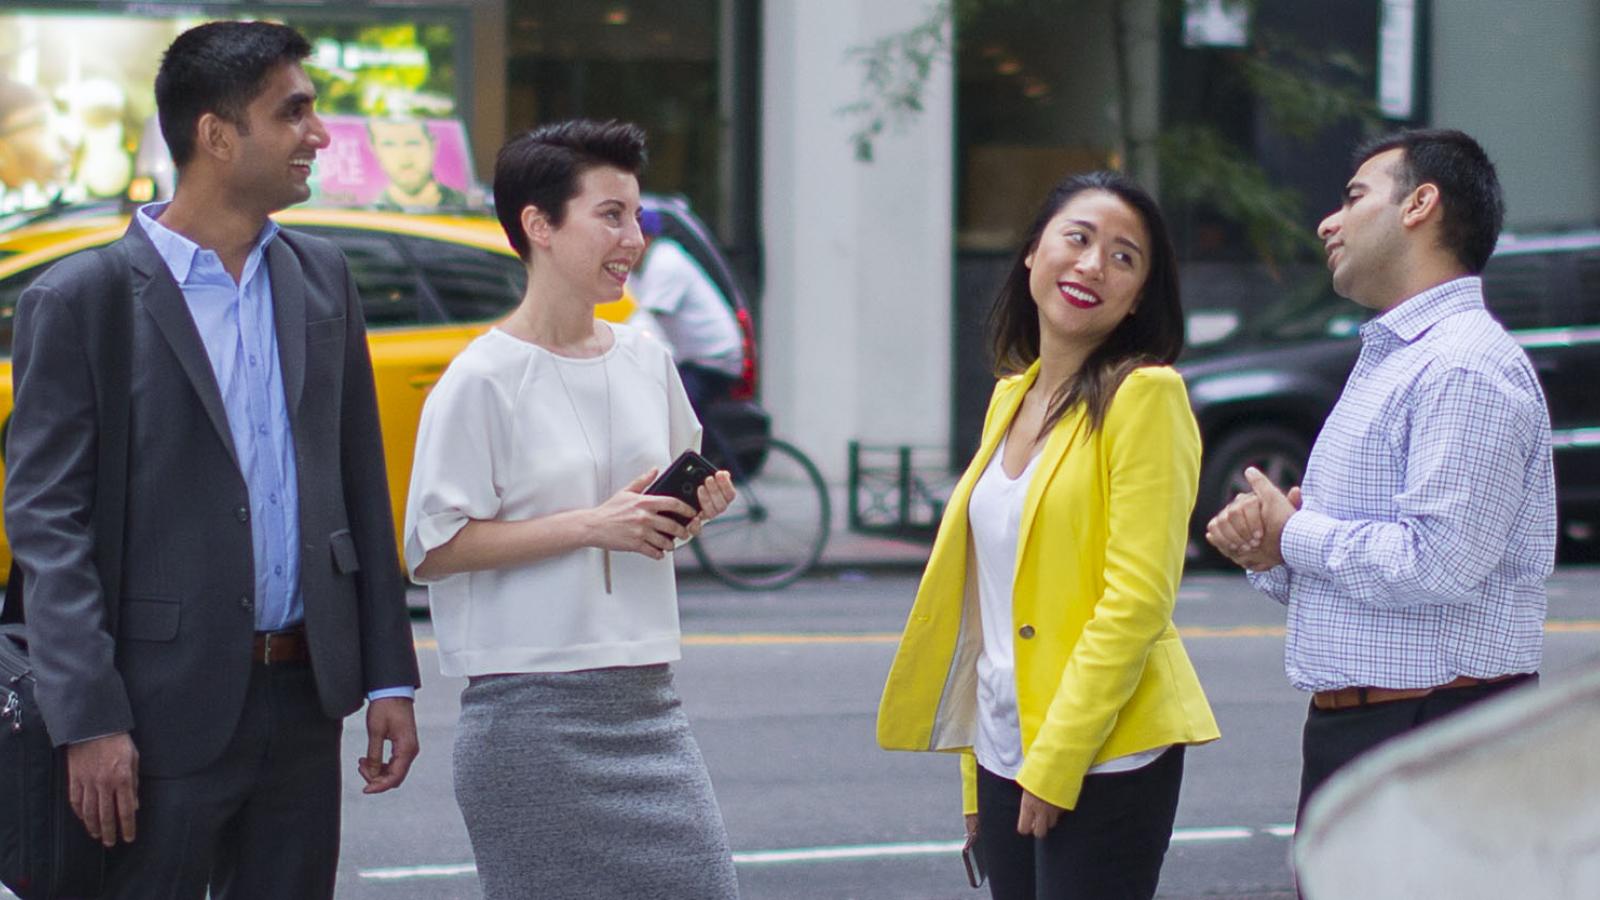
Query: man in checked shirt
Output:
(1413,557)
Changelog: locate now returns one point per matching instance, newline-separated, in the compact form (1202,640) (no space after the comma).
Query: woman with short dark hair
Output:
(549,573)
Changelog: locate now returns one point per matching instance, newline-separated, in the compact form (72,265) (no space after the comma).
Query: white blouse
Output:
(994,516)
(506,435)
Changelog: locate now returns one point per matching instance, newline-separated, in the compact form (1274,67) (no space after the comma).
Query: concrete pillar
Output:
(857,310)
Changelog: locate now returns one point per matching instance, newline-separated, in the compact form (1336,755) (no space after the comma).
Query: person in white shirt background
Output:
(549,573)
(678,301)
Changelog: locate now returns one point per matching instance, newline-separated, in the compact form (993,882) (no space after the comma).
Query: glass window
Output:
(1027,114)
(470,283)
(654,62)
(1515,287)
(388,285)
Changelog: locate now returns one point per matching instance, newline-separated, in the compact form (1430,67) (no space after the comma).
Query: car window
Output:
(1515,287)
(1589,287)
(390,293)
(472,284)
(10,291)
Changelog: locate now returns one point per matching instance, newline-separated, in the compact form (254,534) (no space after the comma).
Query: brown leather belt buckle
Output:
(278,648)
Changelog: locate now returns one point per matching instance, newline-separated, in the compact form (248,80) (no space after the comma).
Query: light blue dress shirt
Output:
(235,322)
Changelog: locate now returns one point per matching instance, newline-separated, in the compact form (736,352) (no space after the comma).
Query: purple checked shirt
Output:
(1428,523)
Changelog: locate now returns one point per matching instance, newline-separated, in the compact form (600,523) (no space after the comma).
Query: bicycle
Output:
(777,527)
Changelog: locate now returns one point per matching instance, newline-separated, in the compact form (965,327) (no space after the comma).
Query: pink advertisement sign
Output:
(396,163)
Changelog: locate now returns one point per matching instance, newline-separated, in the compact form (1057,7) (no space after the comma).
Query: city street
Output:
(783,688)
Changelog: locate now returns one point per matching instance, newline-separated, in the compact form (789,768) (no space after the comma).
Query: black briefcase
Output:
(45,852)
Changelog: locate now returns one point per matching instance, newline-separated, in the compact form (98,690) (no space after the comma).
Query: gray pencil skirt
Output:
(588,784)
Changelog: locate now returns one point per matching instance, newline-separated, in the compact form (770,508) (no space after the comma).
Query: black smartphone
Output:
(682,480)
(972,858)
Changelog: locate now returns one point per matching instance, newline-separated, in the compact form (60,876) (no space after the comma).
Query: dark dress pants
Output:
(1333,738)
(704,386)
(262,821)
(1109,848)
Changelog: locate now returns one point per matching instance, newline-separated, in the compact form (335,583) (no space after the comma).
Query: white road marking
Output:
(844,852)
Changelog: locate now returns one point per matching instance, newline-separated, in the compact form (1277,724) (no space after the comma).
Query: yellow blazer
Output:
(1100,670)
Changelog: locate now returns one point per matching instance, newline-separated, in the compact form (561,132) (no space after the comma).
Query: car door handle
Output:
(424,380)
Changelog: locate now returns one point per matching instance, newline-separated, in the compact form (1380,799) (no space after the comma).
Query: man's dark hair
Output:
(1469,190)
(427,132)
(541,168)
(219,67)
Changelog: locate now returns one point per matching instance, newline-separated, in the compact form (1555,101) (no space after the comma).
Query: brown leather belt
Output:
(1352,697)
(281,648)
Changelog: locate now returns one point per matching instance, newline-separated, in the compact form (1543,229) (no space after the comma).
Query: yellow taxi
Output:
(429,284)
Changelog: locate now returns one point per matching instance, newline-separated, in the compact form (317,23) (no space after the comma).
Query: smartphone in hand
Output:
(682,480)
(972,858)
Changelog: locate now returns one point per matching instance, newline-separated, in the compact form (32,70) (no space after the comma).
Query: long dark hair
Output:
(1152,335)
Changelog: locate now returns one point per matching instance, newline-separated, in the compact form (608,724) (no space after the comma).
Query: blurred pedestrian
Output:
(680,302)
(549,574)
(201,696)
(1413,557)
(1041,645)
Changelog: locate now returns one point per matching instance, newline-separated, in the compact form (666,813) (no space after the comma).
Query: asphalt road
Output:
(782,689)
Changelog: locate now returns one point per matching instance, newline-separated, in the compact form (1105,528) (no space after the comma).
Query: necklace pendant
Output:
(605,563)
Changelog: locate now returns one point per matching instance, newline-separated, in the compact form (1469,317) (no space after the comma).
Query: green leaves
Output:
(895,72)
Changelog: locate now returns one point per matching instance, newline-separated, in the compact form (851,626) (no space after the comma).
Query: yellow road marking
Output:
(1566,626)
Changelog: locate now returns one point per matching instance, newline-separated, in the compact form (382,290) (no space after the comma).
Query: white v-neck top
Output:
(994,516)
(507,435)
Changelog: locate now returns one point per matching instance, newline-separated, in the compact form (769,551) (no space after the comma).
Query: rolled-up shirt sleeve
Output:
(1468,442)
(454,474)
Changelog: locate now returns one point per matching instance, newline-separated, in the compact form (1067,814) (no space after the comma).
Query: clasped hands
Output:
(1249,530)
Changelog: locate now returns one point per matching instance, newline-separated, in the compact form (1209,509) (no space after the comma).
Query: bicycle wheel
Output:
(776,528)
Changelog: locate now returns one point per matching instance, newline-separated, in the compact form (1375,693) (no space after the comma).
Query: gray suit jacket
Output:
(175,672)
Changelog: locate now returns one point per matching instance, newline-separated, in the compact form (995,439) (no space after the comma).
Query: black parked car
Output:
(1262,394)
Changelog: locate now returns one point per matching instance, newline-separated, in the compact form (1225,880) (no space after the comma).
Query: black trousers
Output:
(260,823)
(704,386)
(1333,738)
(1109,848)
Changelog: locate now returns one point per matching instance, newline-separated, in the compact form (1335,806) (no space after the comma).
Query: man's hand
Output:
(1037,816)
(391,719)
(103,786)
(1249,530)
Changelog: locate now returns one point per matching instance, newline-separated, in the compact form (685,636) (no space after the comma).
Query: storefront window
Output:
(1029,110)
(77,100)
(654,62)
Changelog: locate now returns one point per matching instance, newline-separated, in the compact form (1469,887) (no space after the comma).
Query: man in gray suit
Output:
(260,599)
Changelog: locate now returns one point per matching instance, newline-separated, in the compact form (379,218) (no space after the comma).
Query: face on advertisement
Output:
(405,152)
(31,150)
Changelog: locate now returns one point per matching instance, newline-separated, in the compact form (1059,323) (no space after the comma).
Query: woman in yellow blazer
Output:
(1041,646)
